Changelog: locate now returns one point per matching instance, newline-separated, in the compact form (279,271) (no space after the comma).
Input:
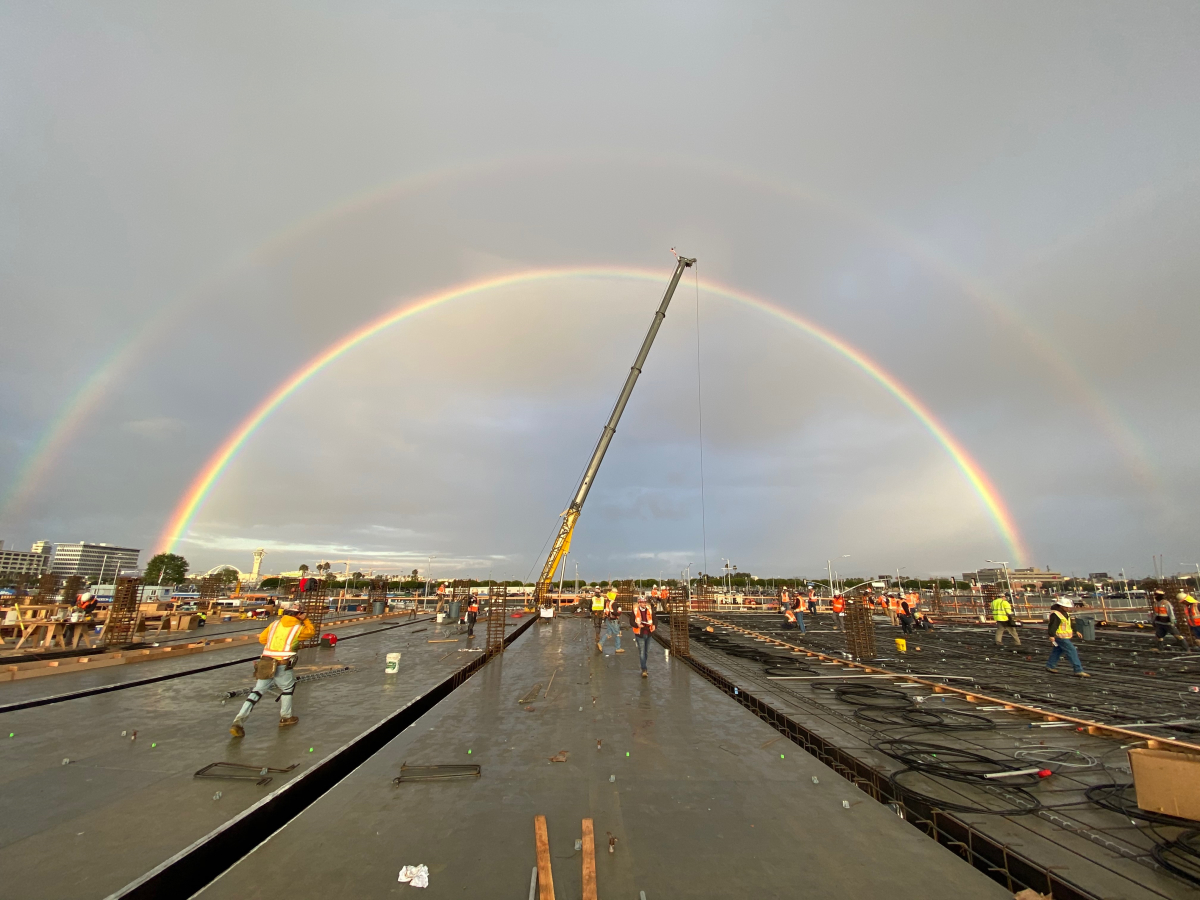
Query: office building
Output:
(94,562)
(34,563)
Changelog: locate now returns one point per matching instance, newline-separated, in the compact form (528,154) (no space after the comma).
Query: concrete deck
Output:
(707,800)
(121,807)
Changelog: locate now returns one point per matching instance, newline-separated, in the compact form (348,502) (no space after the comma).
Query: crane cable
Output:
(700,417)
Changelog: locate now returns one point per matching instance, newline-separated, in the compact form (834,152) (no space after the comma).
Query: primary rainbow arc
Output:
(208,476)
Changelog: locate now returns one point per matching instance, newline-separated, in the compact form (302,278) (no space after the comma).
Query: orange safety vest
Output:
(1161,609)
(643,618)
(473,606)
(789,615)
(839,604)
(1192,608)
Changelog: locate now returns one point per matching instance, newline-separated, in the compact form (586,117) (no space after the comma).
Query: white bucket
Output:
(441,617)
(393,663)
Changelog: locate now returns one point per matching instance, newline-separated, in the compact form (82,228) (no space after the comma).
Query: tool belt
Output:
(266,666)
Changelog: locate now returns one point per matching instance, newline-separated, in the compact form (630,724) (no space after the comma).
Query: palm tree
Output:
(304,568)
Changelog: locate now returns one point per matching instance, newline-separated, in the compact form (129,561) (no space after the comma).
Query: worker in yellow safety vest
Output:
(1006,622)
(1191,609)
(612,622)
(1061,632)
(281,640)
(643,627)
(1162,617)
(598,613)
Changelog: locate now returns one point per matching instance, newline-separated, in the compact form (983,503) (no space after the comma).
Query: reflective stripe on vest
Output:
(1193,613)
(280,644)
(1001,611)
(838,604)
(1161,609)
(1064,629)
(641,621)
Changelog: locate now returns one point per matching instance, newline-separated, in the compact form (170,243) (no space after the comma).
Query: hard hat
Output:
(1160,593)
(1181,596)
(291,608)
(1066,604)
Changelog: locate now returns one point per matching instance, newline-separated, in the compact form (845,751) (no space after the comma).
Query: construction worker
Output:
(812,603)
(838,604)
(281,639)
(1191,611)
(1162,617)
(643,627)
(1060,630)
(598,613)
(472,615)
(906,617)
(612,621)
(1006,623)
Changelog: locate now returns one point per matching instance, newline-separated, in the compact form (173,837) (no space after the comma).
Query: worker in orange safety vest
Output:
(472,615)
(838,604)
(643,627)
(1163,619)
(281,640)
(1191,611)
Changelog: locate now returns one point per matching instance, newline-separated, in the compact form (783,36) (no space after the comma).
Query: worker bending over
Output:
(1162,617)
(1006,623)
(612,622)
(643,627)
(282,640)
(1061,632)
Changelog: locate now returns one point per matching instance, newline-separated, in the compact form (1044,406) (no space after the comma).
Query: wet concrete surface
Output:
(122,806)
(703,798)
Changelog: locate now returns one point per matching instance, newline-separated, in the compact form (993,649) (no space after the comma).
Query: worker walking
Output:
(1191,610)
(1162,617)
(282,639)
(1061,632)
(643,627)
(1006,623)
(612,622)
(598,613)
(472,615)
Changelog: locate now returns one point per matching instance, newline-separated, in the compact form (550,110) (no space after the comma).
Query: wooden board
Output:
(545,875)
(589,861)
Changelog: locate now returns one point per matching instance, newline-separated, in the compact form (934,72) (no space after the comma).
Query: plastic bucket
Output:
(902,645)
(441,617)
(392,664)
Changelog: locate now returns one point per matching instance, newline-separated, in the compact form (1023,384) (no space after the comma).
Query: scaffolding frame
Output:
(122,619)
(314,602)
(677,608)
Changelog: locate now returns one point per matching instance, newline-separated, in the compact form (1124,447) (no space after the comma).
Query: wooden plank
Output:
(589,861)
(545,875)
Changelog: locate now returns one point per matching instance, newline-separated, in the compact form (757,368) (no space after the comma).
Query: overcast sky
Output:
(996,203)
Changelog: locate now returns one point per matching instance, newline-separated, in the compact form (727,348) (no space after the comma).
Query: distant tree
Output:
(269,584)
(166,568)
(227,576)
(416,575)
(304,568)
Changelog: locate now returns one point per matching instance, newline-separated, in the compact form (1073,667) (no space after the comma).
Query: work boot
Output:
(290,720)
(599,646)
(1083,674)
(237,730)
(619,650)
(645,674)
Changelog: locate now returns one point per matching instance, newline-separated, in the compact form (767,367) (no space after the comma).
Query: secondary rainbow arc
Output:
(201,486)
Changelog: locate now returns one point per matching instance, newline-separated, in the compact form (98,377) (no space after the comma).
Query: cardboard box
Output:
(1167,782)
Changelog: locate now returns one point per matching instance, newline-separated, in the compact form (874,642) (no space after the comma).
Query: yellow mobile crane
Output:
(562,542)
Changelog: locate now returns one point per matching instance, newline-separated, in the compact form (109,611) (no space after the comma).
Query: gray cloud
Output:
(996,204)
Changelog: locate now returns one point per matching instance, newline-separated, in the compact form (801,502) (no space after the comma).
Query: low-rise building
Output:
(34,563)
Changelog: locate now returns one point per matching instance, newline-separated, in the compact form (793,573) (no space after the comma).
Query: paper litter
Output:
(415,876)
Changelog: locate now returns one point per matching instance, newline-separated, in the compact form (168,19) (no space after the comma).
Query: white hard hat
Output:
(1066,604)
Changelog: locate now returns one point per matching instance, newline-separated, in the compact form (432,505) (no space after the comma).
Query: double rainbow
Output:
(192,500)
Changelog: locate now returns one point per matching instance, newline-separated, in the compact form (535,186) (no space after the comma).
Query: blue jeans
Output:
(800,620)
(285,680)
(1064,646)
(643,645)
(612,628)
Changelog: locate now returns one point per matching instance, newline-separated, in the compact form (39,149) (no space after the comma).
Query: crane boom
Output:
(562,542)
